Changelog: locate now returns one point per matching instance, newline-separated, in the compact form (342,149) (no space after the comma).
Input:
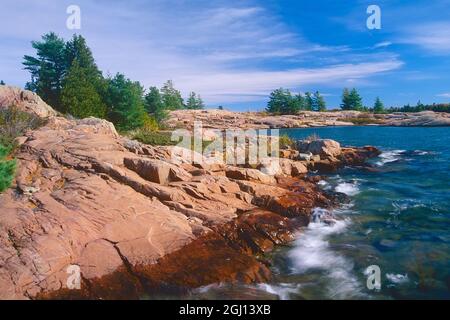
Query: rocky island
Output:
(134,222)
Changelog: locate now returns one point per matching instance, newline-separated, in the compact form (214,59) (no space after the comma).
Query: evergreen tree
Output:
(194,102)
(420,106)
(280,101)
(171,97)
(309,101)
(351,100)
(47,69)
(378,107)
(355,100)
(319,102)
(346,104)
(2,83)
(154,104)
(125,103)
(79,95)
(77,49)
(300,102)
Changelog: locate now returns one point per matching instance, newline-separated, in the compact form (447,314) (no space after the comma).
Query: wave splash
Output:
(312,252)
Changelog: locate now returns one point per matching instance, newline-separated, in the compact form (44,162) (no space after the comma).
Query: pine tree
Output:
(171,97)
(280,101)
(154,104)
(351,100)
(79,95)
(47,69)
(2,83)
(309,101)
(125,103)
(194,102)
(346,103)
(355,100)
(378,107)
(77,49)
(319,102)
(300,102)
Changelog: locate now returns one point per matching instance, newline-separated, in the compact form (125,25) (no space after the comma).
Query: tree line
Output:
(282,101)
(66,76)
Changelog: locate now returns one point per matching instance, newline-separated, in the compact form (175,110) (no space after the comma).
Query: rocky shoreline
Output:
(134,222)
(222,119)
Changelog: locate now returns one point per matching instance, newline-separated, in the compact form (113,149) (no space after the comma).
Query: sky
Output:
(234,53)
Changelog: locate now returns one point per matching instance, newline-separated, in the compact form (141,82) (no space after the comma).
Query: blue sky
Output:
(235,52)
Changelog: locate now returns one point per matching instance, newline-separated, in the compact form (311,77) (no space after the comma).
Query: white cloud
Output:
(383,44)
(226,53)
(443,95)
(433,37)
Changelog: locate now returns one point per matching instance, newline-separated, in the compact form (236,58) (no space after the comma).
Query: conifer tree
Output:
(171,97)
(79,96)
(125,103)
(194,102)
(319,102)
(154,104)
(47,69)
(378,107)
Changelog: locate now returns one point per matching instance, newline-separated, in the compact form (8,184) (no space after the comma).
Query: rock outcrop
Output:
(25,101)
(132,220)
(222,119)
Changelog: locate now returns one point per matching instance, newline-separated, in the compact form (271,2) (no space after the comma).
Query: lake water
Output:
(398,219)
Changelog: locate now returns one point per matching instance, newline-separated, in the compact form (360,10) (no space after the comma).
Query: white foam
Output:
(282,290)
(389,156)
(349,189)
(312,251)
(397,278)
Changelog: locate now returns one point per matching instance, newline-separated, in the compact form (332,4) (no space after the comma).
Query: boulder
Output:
(157,171)
(25,101)
(249,174)
(322,147)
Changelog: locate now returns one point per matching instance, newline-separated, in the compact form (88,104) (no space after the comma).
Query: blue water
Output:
(397,218)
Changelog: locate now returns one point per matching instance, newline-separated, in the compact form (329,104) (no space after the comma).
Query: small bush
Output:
(286,142)
(7,168)
(14,123)
(150,124)
(362,120)
(156,138)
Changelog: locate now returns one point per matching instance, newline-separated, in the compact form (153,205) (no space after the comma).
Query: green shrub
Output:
(362,120)
(150,123)
(7,168)
(286,142)
(14,123)
(156,138)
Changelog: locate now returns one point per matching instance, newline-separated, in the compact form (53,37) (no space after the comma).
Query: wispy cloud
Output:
(225,52)
(444,95)
(434,37)
(383,44)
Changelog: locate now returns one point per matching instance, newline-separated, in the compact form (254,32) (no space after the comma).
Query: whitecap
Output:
(397,278)
(312,252)
(283,290)
(389,156)
(349,189)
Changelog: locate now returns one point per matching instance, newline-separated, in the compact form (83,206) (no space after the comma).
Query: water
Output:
(398,219)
